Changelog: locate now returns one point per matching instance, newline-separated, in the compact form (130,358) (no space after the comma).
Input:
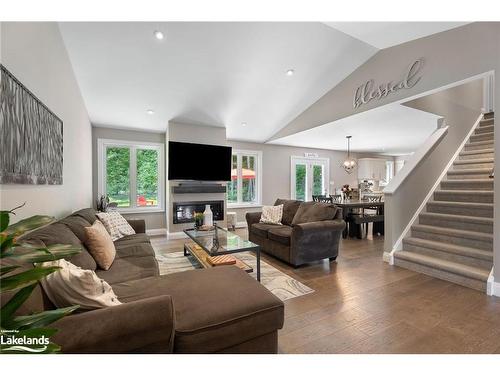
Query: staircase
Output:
(453,239)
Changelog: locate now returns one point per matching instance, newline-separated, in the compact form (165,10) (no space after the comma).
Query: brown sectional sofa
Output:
(218,310)
(298,244)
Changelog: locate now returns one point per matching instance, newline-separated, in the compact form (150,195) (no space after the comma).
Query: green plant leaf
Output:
(6,269)
(22,279)
(41,319)
(7,311)
(28,224)
(46,254)
(4,220)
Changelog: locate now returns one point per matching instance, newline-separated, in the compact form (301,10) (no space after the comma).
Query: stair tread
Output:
(448,191)
(462,204)
(475,152)
(475,219)
(474,161)
(470,171)
(453,232)
(471,180)
(445,265)
(452,248)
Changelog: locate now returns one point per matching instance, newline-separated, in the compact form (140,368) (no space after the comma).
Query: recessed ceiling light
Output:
(290,72)
(243,124)
(158,35)
(150,112)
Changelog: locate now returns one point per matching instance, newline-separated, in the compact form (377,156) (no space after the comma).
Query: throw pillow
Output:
(73,286)
(272,214)
(100,245)
(314,211)
(115,224)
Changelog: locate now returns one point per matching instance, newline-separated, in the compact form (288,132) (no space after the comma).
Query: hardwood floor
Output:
(363,305)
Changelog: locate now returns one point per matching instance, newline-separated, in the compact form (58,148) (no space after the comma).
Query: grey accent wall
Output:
(35,53)
(154,220)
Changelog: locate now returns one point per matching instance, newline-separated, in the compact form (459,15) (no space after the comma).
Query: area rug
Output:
(280,284)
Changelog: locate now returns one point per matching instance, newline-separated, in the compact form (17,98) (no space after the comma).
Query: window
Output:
(244,189)
(309,176)
(389,172)
(131,174)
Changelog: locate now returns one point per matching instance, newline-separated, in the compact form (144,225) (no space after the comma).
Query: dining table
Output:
(348,205)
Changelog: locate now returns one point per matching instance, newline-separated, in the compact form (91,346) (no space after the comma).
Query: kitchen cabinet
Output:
(371,169)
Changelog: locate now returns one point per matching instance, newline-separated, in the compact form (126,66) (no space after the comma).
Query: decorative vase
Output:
(208,216)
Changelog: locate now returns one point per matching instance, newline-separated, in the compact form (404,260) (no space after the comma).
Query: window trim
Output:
(103,143)
(308,161)
(258,174)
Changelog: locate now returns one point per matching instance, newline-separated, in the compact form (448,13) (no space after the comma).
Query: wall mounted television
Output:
(192,161)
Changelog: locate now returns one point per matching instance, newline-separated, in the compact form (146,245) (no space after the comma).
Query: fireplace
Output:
(183,212)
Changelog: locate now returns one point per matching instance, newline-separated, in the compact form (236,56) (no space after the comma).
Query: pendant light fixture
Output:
(349,163)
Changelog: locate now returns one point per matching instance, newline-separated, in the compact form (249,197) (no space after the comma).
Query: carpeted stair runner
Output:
(453,239)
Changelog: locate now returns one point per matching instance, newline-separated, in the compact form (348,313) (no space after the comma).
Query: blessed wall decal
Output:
(367,92)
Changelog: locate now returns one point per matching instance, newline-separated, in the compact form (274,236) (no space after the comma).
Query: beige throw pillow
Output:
(71,286)
(272,214)
(115,224)
(100,245)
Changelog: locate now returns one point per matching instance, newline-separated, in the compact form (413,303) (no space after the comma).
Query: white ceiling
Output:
(220,74)
(392,130)
(387,34)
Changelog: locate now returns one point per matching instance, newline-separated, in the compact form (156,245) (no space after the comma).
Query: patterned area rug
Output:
(281,285)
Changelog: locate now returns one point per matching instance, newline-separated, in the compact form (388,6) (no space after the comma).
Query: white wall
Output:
(35,53)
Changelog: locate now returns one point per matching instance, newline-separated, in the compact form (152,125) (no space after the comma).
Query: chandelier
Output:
(349,163)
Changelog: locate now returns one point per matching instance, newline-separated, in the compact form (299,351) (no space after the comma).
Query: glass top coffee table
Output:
(220,242)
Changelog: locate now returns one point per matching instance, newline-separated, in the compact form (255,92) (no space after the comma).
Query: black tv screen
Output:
(192,161)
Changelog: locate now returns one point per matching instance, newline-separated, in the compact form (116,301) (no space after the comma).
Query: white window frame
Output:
(102,145)
(239,185)
(309,162)
(389,172)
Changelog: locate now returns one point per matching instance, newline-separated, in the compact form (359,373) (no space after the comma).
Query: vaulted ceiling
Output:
(232,75)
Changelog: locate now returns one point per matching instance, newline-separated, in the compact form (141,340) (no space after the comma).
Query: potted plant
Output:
(27,334)
(198,219)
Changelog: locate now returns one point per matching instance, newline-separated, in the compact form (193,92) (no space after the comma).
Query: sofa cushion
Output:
(100,245)
(290,207)
(215,308)
(281,234)
(272,214)
(130,268)
(77,224)
(83,260)
(260,229)
(56,233)
(134,250)
(132,239)
(309,212)
(71,286)
(115,224)
(88,214)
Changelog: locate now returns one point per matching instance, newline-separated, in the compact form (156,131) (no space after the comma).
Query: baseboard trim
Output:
(241,224)
(156,232)
(493,289)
